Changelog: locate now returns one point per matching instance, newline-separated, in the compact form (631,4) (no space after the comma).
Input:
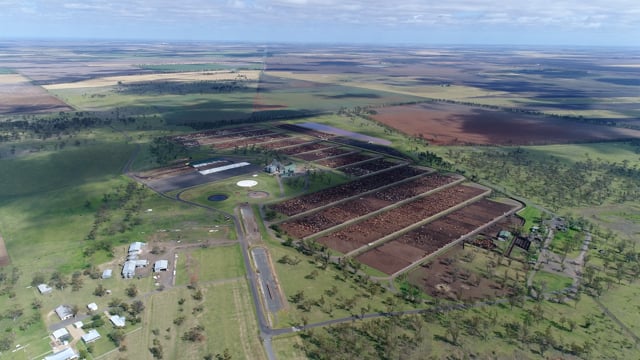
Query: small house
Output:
(78,324)
(107,274)
(92,307)
(64,312)
(161,265)
(91,336)
(44,289)
(66,354)
(117,321)
(61,335)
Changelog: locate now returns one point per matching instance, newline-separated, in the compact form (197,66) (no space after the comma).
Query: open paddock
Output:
(321,198)
(344,160)
(451,124)
(447,278)
(322,154)
(362,233)
(18,95)
(197,76)
(352,209)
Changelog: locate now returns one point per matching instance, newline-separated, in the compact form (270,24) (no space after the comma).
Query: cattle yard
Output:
(390,216)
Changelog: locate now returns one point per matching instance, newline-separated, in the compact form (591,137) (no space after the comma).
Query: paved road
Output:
(267,279)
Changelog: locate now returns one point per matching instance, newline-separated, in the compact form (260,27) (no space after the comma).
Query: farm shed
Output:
(63,312)
(136,247)
(161,265)
(66,354)
(61,334)
(117,321)
(107,274)
(44,289)
(92,306)
(141,263)
(129,269)
(78,324)
(91,336)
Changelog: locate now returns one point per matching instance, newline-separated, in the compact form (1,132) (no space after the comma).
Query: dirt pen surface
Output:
(324,197)
(445,278)
(362,233)
(450,124)
(427,239)
(19,95)
(352,209)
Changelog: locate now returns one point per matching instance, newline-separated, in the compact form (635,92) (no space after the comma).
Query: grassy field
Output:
(532,217)
(553,282)
(621,300)
(210,264)
(615,152)
(227,317)
(317,290)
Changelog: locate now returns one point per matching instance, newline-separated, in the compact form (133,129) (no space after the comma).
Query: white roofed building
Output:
(117,321)
(66,354)
(161,265)
(91,336)
(44,289)
(63,312)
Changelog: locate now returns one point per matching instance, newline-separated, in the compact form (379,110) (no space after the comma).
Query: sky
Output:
(518,22)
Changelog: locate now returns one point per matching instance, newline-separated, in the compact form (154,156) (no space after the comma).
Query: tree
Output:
(195,334)
(454,330)
(224,356)
(99,291)
(38,279)
(75,309)
(117,336)
(136,307)
(76,281)
(132,290)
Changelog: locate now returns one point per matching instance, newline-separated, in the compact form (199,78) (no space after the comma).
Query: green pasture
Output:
(532,217)
(552,282)
(54,170)
(621,300)
(174,108)
(209,264)
(321,96)
(295,278)
(614,152)
(227,317)
(286,347)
